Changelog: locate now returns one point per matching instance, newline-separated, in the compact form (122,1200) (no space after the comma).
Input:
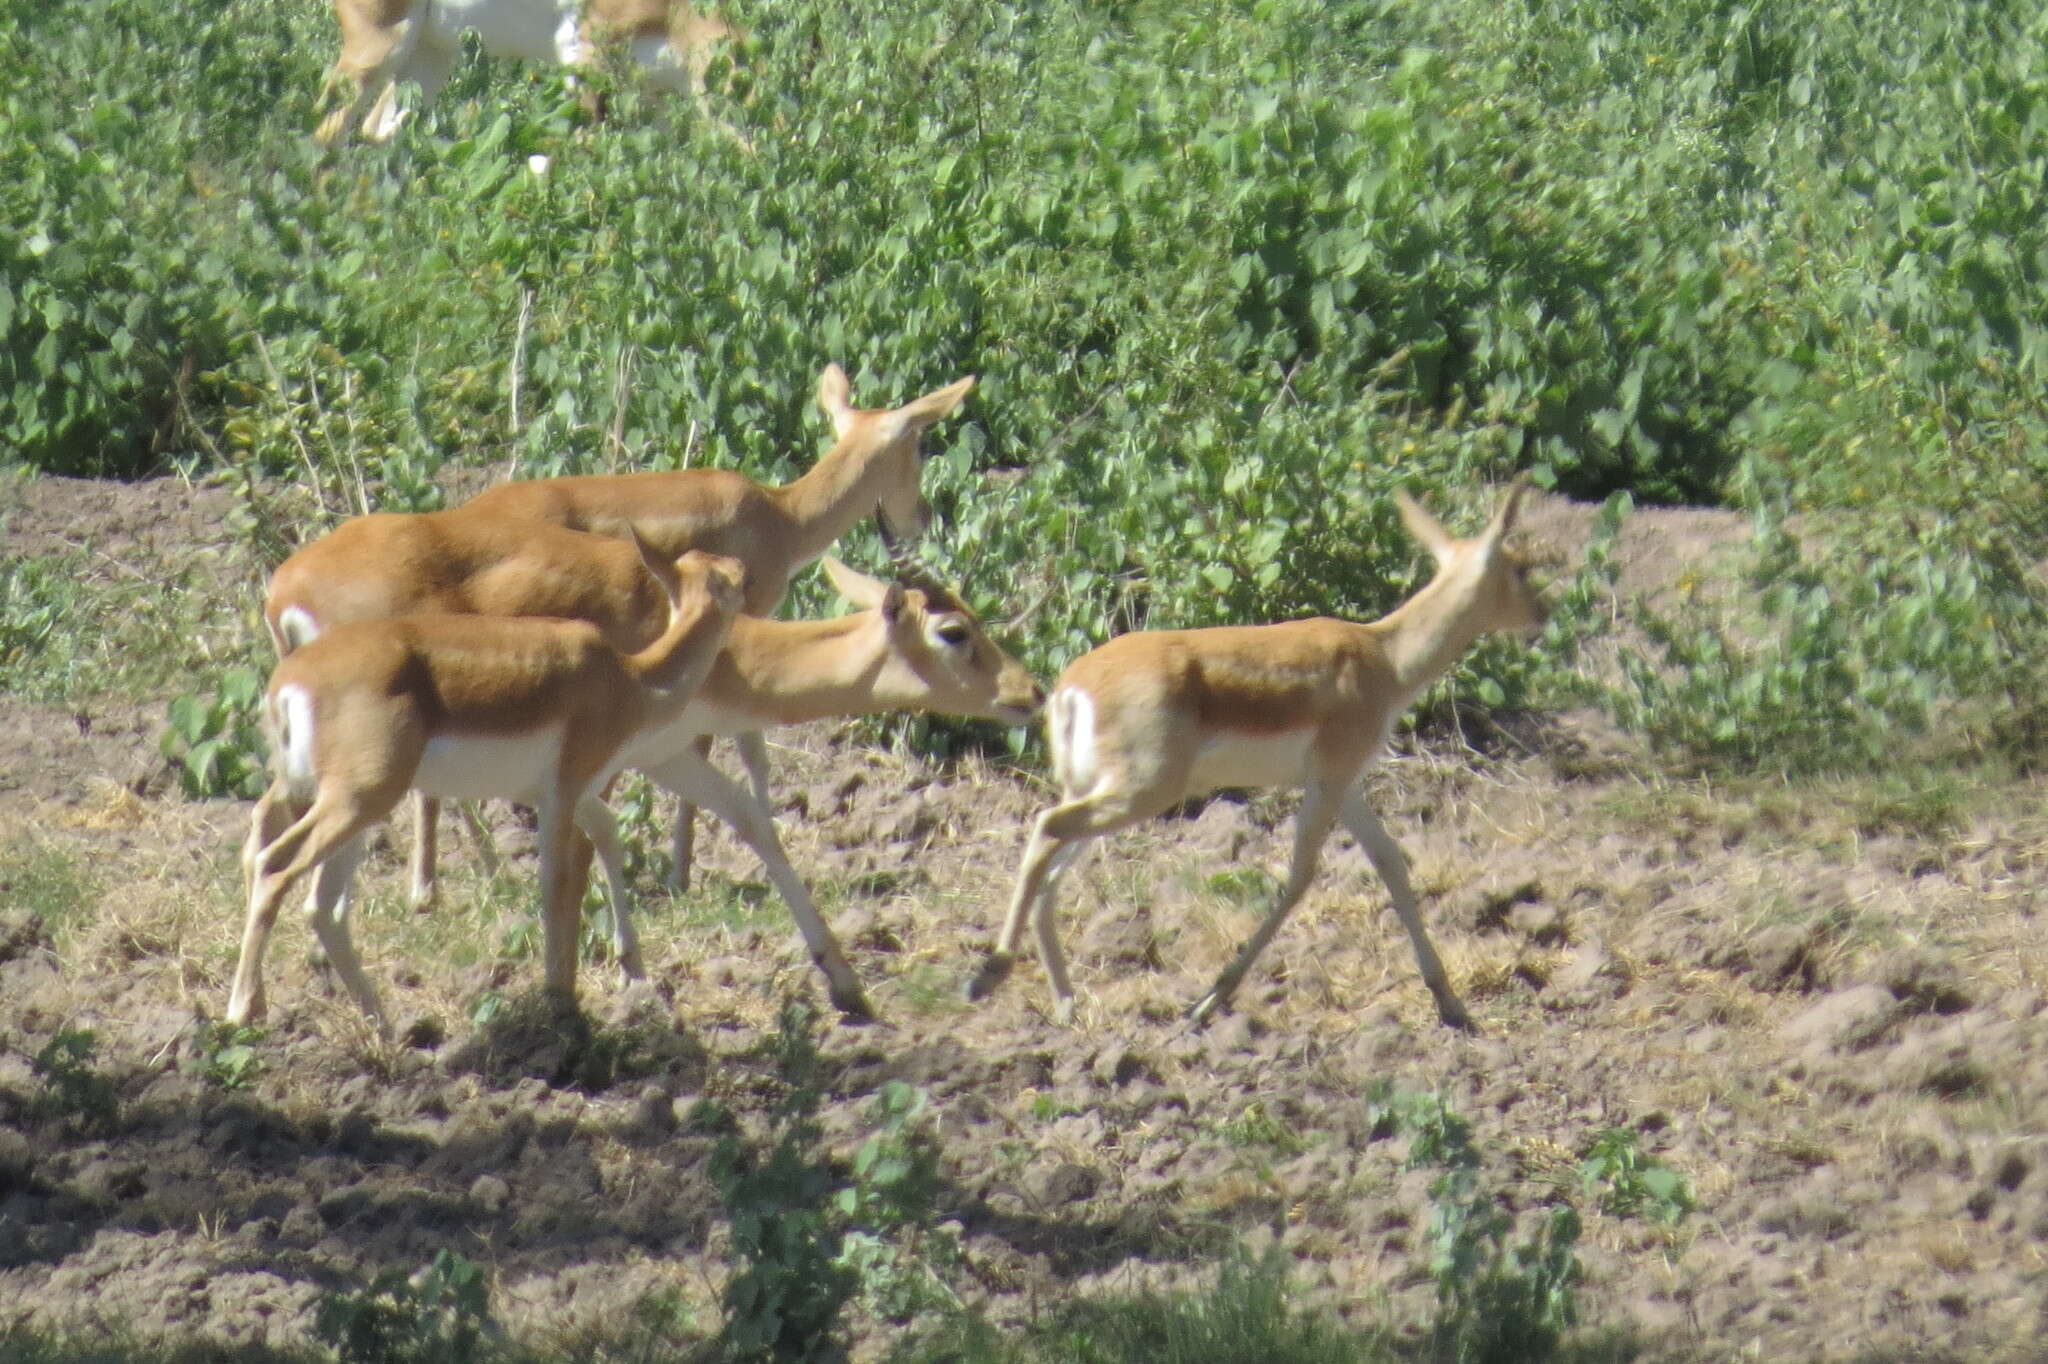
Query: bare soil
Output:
(1825,1011)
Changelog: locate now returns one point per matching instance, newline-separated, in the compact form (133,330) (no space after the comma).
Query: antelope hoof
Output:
(1063,1012)
(1205,1009)
(993,973)
(853,1006)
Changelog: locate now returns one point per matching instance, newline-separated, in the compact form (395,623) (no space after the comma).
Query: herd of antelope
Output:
(548,634)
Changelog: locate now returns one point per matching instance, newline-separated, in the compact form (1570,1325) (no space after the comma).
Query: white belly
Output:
(1232,759)
(516,767)
(653,746)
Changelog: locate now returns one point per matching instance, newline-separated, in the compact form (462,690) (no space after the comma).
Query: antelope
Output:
(536,710)
(873,466)
(912,646)
(501,552)
(384,42)
(1154,717)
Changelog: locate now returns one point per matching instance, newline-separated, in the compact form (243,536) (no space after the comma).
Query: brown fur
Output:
(1170,712)
(380,690)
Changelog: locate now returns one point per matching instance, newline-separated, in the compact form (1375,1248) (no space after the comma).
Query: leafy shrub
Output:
(1630,1182)
(73,1091)
(439,1316)
(1228,276)
(216,739)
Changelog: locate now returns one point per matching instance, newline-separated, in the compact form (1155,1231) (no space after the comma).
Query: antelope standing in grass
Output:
(1154,717)
(534,710)
(384,42)
(914,646)
(485,554)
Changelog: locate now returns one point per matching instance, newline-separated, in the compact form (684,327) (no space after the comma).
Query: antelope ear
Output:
(855,586)
(835,396)
(1510,507)
(664,572)
(1422,525)
(935,405)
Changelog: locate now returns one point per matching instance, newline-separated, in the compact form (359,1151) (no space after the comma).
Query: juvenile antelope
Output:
(1154,717)
(384,42)
(913,647)
(508,551)
(534,710)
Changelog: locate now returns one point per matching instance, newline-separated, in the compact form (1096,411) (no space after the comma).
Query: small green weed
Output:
(1497,1302)
(47,880)
(439,1316)
(227,1055)
(901,1264)
(33,599)
(1256,1127)
(1630,1182)
(790,1285)
(215,738)
(1243,885)
(73,1091)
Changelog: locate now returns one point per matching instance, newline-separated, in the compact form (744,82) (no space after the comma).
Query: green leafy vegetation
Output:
(216,739)
(71,1089)
(1228,275)
(1630,1182)
(228,1056)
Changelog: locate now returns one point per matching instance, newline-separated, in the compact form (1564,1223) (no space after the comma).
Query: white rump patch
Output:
(293,716)
(297,626)
(1070,726)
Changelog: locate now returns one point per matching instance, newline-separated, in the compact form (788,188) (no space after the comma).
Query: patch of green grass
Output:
(929,991)
(1255,1128)
(49,881)
(716,901)
(72,631)
(1247,1317)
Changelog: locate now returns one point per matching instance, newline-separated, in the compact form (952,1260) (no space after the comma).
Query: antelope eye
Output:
(952,633)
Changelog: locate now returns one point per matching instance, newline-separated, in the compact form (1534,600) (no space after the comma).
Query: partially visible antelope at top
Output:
(384,42)
(1154,717)
(536,710)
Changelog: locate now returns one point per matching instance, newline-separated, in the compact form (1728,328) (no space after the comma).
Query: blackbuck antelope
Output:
(384,42)
(507,552)
(914,646)
(1154,717)
(535,710)
(873,466)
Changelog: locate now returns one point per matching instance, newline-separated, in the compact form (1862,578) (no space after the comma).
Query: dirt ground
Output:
(1824,1012)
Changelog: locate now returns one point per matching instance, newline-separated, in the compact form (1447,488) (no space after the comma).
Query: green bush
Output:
(1229,274)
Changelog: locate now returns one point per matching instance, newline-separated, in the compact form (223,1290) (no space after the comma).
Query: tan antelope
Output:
(914,646)
(535,710)
(1154,717)
(494,554)
(384,42)
(873,466)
